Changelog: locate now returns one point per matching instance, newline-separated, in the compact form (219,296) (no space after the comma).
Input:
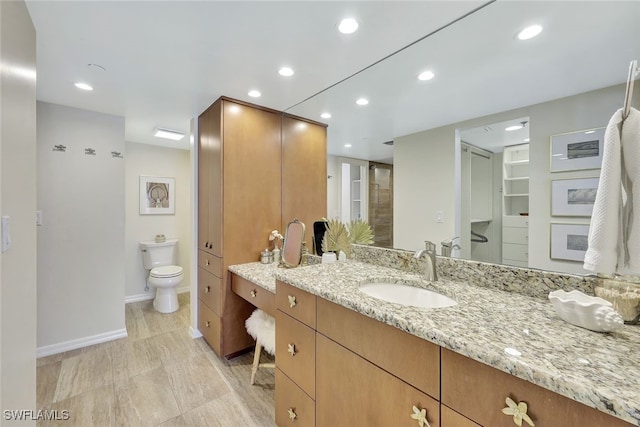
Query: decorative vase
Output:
(276,254)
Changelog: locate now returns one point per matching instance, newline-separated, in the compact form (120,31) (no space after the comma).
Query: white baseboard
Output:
(146,296)
(48,350)
(194,333)
(140,297)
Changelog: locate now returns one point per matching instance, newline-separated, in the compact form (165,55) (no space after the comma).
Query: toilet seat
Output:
(166,271)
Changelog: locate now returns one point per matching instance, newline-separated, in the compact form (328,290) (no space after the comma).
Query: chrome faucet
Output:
(430,270)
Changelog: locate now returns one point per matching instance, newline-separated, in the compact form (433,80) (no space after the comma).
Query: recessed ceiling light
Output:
(426,75)
(362,101)
(254,93)
(168,134)
(348,26)
(347,145)
(286,71)
(83,86)
(325,115)
(514,127)
(530,32)
(526,140)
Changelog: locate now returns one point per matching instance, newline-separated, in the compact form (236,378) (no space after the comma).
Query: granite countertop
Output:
(517,334)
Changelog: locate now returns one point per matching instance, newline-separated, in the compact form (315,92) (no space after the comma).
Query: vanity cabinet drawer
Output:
(209,326)
(210,290)
(293,406)
(364,394)
(478,392)
(515,235)
(211,263)
(296,351)
(253,293)
(515,221)
(515,252)
(408,357)
(296,303)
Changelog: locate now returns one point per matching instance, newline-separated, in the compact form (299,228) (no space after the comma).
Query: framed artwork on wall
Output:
(157,195)
(573,197)
(577,150)
(569,241)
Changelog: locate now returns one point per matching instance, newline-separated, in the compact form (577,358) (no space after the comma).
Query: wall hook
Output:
(116,154)
(90,151)
(60,147)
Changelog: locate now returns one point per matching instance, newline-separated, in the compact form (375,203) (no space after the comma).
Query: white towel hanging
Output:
(614,234)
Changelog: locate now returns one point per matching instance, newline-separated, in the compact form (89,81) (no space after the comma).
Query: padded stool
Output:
(262,328)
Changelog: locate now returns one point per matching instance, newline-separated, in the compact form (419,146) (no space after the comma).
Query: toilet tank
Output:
(158,254)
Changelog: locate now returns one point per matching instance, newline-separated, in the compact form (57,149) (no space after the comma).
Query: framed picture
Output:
(569,241)
(157,195)
(573,197)
(577,150)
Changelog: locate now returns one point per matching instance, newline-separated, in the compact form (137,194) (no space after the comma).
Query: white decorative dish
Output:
(588,312)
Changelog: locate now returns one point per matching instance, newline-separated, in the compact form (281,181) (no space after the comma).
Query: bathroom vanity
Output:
(459,363)
(344,358)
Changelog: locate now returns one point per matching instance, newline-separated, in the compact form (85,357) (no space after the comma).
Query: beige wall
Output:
(81,273)
(423,167)
(144,159)
(18,200)
(424,172)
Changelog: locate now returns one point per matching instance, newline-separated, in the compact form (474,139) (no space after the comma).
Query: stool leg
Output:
(256,361)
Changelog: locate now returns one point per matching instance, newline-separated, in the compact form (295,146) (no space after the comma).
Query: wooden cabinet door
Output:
(215,190)
(383,345)
(351,391)
(251,168)
(304,173)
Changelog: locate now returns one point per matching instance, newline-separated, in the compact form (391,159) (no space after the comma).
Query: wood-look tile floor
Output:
(157,376)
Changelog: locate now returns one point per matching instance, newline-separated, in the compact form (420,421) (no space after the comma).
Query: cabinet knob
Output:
(207,323)
(420,415)
(518,411)
(292,301)
(291,349)
(253,293)
(292,414)
(206,262)
(207,289)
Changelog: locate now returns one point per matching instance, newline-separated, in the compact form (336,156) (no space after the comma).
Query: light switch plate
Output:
(439,217)
(5,229)
(38,217)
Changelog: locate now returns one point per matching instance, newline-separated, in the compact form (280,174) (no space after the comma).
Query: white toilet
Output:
(164,275)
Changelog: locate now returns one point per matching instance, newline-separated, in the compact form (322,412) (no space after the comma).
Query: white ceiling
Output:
(166,61)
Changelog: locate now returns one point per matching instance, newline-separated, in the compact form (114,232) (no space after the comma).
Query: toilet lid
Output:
(167,271)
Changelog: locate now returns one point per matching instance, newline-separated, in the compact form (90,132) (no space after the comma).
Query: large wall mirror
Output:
(452,175)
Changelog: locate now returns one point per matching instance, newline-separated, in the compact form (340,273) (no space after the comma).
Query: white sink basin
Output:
(406,295)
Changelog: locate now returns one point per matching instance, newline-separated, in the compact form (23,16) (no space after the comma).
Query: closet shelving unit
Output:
(515,205)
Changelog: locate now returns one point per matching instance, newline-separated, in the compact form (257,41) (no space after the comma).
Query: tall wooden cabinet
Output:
(257,170)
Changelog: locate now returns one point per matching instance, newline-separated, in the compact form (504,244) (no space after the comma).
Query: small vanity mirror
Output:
(292,247)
